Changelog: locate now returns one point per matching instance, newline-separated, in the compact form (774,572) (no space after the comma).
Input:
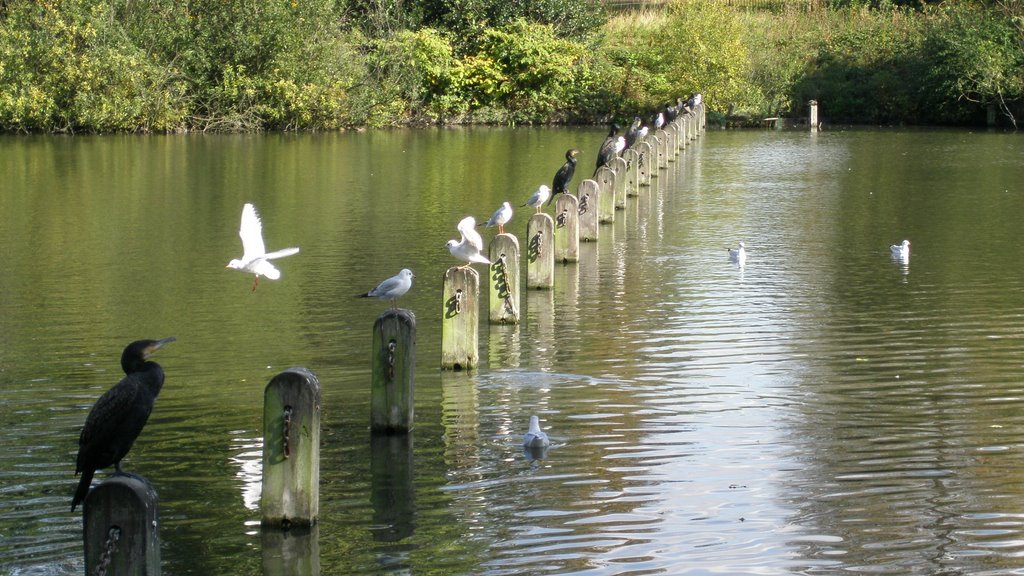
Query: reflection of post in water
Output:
(391,487)
(393,367)
(291,449)
(540,252)
(292,552)
(460,409)
(503,253)
(459,318)
(567,229)
(540,323)
(121,523)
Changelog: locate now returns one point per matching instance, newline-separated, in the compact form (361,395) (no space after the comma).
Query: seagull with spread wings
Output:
(255,258)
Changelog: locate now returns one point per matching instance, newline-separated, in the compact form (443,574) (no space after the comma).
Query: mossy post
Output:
(632,157)
(393,372)
(540,251)
(121,527)
(459,319)
(606,194)
(503,253)
(643,164)
(567,229)
(619,186)
(291,449)
(588,194)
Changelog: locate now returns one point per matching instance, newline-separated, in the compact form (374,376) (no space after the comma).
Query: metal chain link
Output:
(458,301)
(583,203)
(109,547)
(506,286)
(391,359)
(560,219)
(287,431)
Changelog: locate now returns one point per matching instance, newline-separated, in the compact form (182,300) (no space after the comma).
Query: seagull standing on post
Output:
(255,258)
(393,288)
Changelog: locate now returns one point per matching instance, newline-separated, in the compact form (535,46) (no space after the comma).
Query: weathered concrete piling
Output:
(588,194)
(122,526)
(393,372)
(567,229)
(503,252)
(459,317)
(291,449)
(605,178)
(540,251)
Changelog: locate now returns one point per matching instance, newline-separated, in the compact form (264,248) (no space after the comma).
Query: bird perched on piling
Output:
(631,132)
(607,150)
(538,198)
(393,288)
(255,258)
(500,217)
(738,255)
(900,251)
(560,185)
(469,249)
(118,416)
(535,437)
(659,120)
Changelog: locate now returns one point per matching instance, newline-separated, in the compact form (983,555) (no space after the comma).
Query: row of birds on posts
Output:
(119,415)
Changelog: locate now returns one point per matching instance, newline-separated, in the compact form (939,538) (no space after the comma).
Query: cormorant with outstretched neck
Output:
(564,175)
(119,415)
(632,131)
(607,150)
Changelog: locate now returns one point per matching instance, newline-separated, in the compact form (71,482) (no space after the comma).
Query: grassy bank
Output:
(237,65)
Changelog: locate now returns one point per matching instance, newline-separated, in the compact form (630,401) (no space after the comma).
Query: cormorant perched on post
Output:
(118,416)
(607,151)
(631,132)
(564,175)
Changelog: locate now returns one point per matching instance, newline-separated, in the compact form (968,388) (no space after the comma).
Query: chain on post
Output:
(458,301)
(506,286)
(109,547)
(286,433)
(391,359)
(560,221)
(583,203)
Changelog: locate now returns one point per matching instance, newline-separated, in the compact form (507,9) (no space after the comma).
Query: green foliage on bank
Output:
(246,65)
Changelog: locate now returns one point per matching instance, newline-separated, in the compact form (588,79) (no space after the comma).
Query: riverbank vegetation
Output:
(249,65)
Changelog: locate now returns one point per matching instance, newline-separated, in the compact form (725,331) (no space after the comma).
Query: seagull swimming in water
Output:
(469,249)
(393,288)
(500,217)
(540,196)
(535,437)
(901,251)
(739,255)
(255,258)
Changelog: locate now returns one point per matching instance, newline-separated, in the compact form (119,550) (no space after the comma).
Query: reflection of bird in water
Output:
(900,251)
(500,217)
(471,245)
(560,185)
(739,255)
(606,152)
(538,198)
(255,258)
(393,288)
(118,416)
(535,437)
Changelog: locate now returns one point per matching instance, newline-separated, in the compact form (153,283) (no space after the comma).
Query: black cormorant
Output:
(607,151)
(564,175)
(631,132)
(118,416)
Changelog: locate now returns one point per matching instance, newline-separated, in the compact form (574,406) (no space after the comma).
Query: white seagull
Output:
(467,227)
(392,288)
(659,121)
(738,255)
(255,258)
(538,198)
(471,245)
(901,251)
(500,217)
(620,145)
(642,133)
(535,438)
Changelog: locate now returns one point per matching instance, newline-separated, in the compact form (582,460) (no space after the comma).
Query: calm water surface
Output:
(824,410)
